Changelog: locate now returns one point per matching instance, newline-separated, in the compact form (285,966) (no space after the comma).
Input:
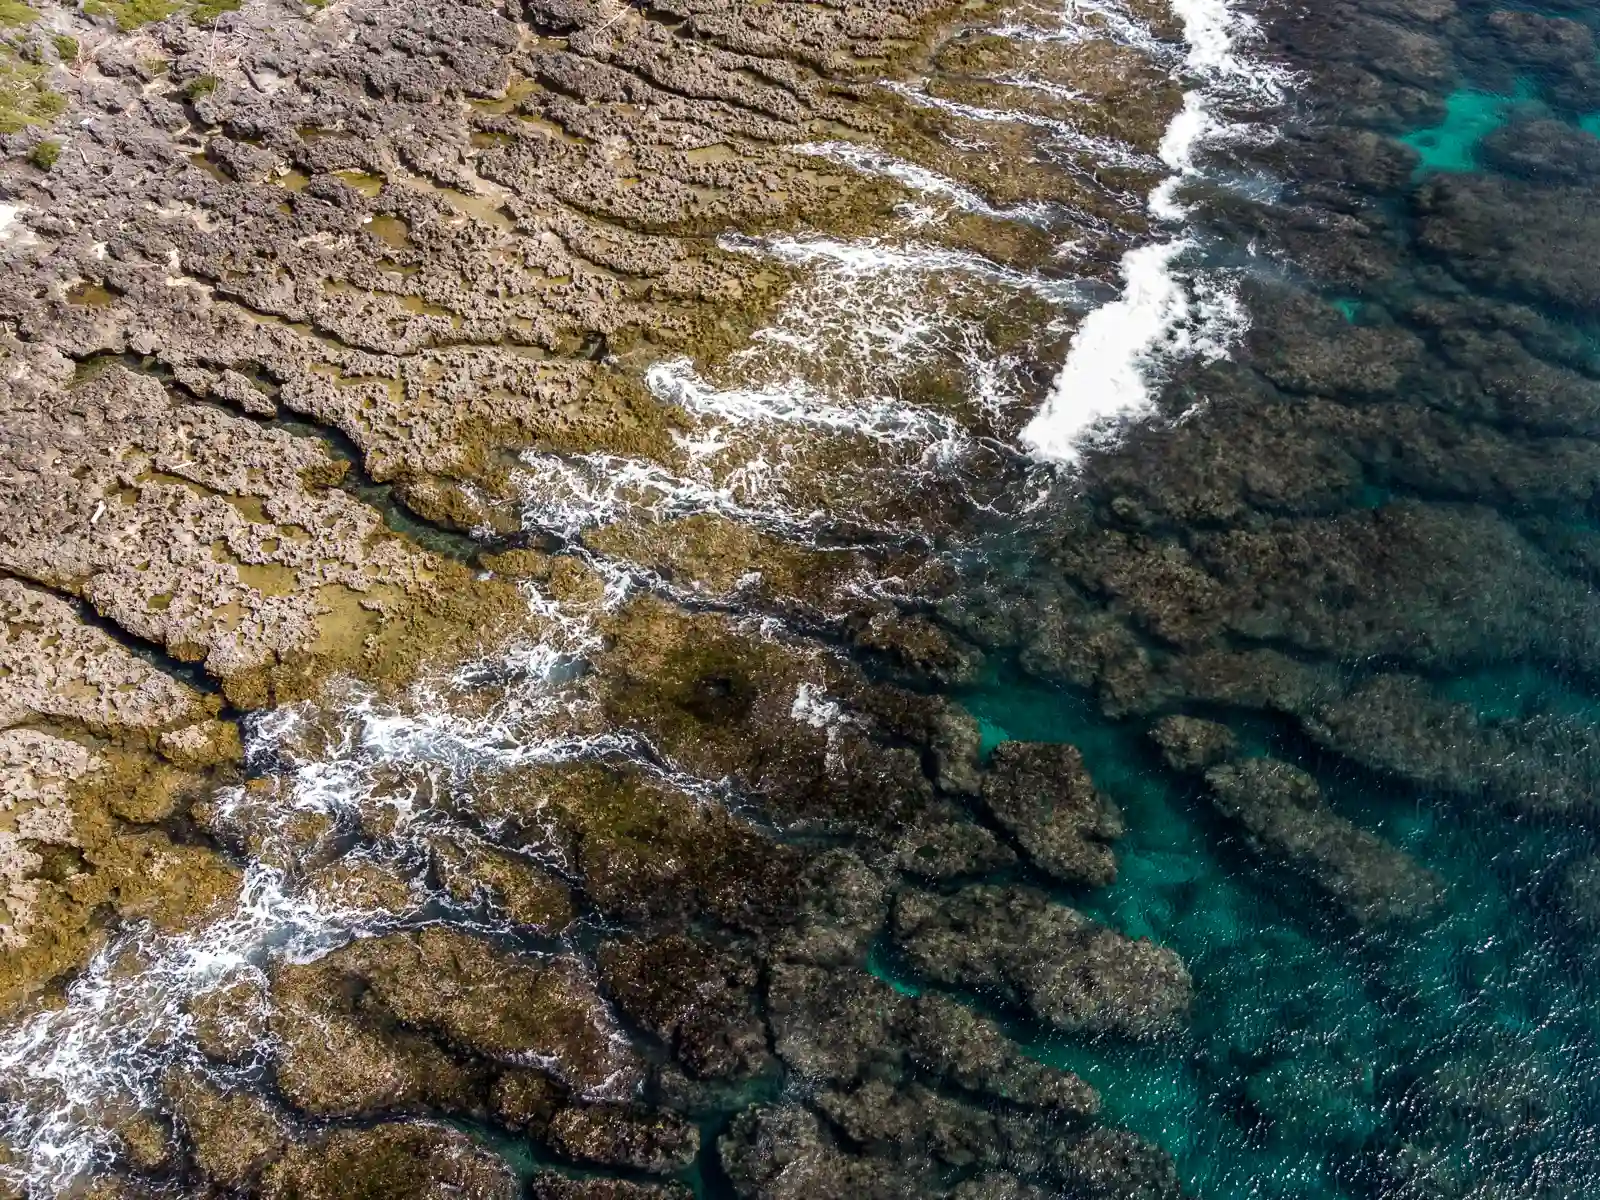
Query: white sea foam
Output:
(1102,151)
(568,494)
(867,161)
(831,366)
(124,1023)
(1167,311)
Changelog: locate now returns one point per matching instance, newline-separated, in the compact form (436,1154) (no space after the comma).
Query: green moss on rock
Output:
(25,98)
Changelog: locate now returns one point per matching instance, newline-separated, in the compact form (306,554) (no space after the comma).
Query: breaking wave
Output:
(1172,307)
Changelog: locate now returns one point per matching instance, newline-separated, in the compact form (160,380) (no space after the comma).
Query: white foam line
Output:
(795,402)
(868,161)
(120,1030)
(871,256)
(1106,151)
(1109,21)
(1165,313)
(569,494)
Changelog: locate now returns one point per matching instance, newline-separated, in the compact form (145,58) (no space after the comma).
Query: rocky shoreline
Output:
(502,510)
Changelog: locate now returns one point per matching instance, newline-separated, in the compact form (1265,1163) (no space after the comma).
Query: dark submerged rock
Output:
(1283,814)
(1189,744)
(1044,957)
(1043,795)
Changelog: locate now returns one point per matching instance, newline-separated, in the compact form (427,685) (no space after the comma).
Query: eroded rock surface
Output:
(1044,957)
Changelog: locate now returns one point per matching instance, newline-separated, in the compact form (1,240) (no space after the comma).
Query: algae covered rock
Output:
(1044,957)
(1189,744)
(1283,814)
(233,1133)
(951,849)
(411,1019)
(618,1136)
(389,1162)
(842,904)
(831,1024)
(782,1152)
(952,1042)
(699,1000)
(547,1185)
(1043,795)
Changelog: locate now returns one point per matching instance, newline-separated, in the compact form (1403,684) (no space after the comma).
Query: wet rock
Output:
(1043,795)
(1303,345)
(1406,580)
(1190,745)
(546,1185)
(916,650)
(1535,40)
(509,883)
(525,1100)
(1546,763)
(995,1185)
(843,905)
(390,1162)
(699,1000)
(615,1136)
(723,703)
(230,1021)
(234,1133)
(1112,1164)
(783,1153)
(375,1024)
(145,1143)
(339,1054)
(950,850)
(1543,149)
(1044,957)
(832,1024)
(950,1041)
(650,852)
(1283,814)
(1535,243)
(910,1123)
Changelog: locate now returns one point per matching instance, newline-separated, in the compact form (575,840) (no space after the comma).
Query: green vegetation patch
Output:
(66,47)
(45,154)
(14,14)
(24,98)
(208,11)
(130,14)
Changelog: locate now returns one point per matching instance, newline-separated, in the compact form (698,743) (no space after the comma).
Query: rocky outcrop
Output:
(1043,796)
(1045,958)
(388,1162)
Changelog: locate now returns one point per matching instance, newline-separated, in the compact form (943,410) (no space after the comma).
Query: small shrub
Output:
(45,154)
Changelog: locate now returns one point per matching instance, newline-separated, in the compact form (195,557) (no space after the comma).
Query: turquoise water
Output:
(1470,116)
(1310,1039)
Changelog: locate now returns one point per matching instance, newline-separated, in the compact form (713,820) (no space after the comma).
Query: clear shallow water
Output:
(1310,1038)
